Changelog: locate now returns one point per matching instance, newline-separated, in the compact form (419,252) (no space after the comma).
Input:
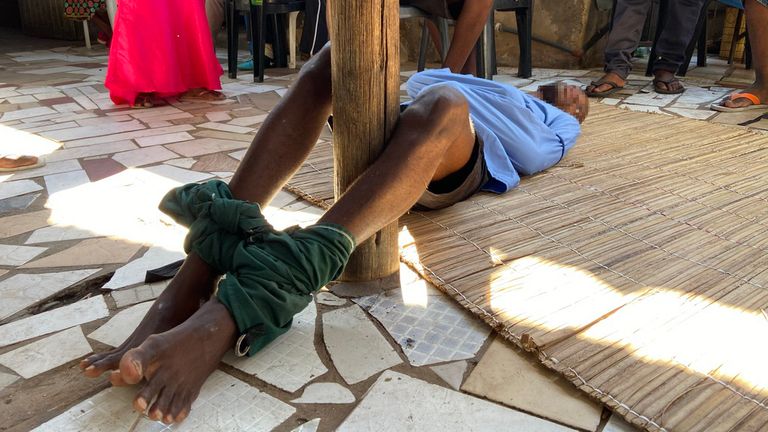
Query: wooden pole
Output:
(366,97)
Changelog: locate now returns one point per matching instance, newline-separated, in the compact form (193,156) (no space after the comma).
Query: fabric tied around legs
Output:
(268,274)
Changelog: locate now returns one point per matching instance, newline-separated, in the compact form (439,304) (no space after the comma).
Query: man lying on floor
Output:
(458,136)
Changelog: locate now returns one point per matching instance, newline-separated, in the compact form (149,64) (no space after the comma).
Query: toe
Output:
(146,395)
(117,379)
(135,364)
(180,407)
(160,409)
(96,365)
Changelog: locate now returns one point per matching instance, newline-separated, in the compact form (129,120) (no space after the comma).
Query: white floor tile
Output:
(290,362)
(164,139)
(7,379)
(182,162)
(696,114)
(48,353)
(120,326)
(218,116)
(239,155)
(128,135)
(180,175)
(411,404)
(429,326)
(248,121)
(48,169)
(141,293)
(144,156)
(54,320)
(206,146)
(23,290)
(26,113)
(90,252)
(226,127)
(135,271)
(452,373)
(510,377)
(63,181)
(225,404)
(16,188)
(93,131)
(325,393)
(328,299)
(12,255)
(355,345)
(56,233)
(310,426)
(618,424)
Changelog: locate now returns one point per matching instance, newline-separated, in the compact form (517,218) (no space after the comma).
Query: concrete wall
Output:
(569,23)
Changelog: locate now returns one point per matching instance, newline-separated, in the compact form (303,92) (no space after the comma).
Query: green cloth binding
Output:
(269,274)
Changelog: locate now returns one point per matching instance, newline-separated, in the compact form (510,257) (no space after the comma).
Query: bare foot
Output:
(739,102)
(610,80)
(191,286)
(175,364)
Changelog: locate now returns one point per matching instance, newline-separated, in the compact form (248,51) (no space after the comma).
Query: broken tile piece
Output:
(23,290)
(325,393)
(14,225)
(135,271)
(120,326)
(418,405)
(17,203)
(16,188)
(182,162)
(452,373)
(48,353)
(163,139)
(508,376)
(99,169)
(225,404)
(429,326)
(7,379)
(180,175)
(47,169)
(204,146)
(328,299)
(355,345)
(290,361)
(226,127)
(139,294)
(89,252)
(54,320)
(310,426)
(11,255)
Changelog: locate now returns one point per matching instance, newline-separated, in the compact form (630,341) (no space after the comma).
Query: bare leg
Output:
(432,139)
(277,151)
(469,25)
(757,23)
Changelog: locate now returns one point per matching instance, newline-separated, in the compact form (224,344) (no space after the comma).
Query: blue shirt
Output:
(521,134)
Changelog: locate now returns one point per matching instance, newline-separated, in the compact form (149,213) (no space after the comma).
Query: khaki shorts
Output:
(471,184)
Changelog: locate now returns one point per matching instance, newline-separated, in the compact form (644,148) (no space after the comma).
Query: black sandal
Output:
(674,80)
(614,88)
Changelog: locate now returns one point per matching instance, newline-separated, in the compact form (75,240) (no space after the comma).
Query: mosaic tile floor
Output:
(77,235)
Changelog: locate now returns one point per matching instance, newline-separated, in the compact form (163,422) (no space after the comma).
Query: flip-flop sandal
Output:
(38,163)
(202,95)
(756,103)
(614,88)
(657,81)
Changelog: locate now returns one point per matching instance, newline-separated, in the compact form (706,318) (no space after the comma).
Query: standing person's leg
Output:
(432,139)
(281,145)
(673,41)
(757,24)
(469,26)
(214,11)
(628,20)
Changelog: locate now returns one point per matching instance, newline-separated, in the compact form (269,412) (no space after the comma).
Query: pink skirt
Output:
(162,47)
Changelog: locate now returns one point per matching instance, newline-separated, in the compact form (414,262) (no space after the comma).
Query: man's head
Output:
(568,98)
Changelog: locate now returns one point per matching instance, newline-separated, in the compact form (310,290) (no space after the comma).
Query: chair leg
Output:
(257,36)
(292,39)
(736,36)
(423,46)
(230,14)
(445,42)
(87,34)
(111,11)
(701,58)
(278,45)
(524,17)
(485,51)
(748,52)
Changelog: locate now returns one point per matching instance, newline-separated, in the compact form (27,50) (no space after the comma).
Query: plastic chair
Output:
(486,45)
(257,11)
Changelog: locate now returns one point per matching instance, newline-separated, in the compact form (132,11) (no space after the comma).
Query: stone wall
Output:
(569,23)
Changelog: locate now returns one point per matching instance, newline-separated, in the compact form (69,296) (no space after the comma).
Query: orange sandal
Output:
(756,103)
